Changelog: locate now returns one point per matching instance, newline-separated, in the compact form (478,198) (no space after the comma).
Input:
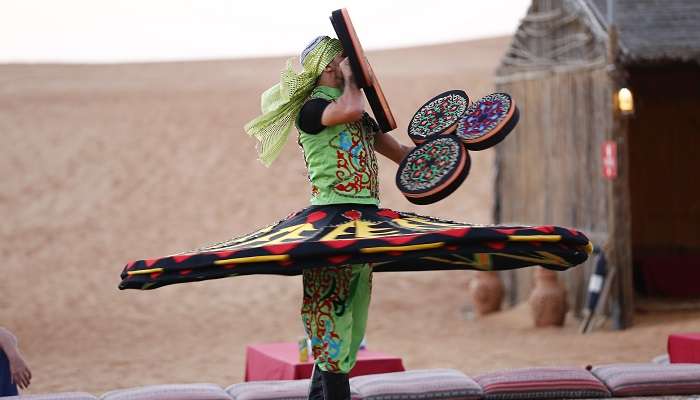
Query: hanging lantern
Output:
(625,101)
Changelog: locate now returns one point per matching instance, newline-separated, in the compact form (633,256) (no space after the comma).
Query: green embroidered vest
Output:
(340,160)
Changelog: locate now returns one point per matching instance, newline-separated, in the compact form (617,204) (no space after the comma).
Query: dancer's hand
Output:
(350,106)
(346,70)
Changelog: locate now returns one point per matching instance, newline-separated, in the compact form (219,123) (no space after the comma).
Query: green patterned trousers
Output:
(334,313)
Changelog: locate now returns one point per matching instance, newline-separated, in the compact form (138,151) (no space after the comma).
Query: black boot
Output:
(335,386)
(316,387)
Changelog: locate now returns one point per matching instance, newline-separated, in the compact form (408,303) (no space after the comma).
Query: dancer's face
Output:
(334,70)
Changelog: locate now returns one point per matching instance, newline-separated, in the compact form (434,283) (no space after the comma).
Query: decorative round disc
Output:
(438,116)
(488,121)
(433,170)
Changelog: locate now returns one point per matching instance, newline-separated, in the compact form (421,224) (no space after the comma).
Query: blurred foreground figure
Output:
(13,369)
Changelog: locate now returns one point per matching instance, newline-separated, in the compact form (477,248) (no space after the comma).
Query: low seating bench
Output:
(657,381)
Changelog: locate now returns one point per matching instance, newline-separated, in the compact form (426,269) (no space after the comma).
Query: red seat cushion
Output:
(684,347)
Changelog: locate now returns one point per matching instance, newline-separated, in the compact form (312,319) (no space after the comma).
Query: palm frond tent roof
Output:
(574,33)
(654,31)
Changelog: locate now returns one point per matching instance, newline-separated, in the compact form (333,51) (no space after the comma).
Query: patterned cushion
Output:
(273,390)
(444,384)
(650,379)
(53,396)
(542,383)
(192,391)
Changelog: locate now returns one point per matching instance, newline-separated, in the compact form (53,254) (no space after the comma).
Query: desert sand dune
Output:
(104,164)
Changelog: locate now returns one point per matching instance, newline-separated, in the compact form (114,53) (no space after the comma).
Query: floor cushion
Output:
(650,379)
(53,396)
(192,391)
(270,390)
(444,384)
(542,383)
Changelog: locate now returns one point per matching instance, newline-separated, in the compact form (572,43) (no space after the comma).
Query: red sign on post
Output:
(609,157)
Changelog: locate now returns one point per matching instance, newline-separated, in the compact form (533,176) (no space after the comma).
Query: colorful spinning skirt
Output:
(322,236)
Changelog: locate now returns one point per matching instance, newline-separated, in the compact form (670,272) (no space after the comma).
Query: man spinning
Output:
(339,141)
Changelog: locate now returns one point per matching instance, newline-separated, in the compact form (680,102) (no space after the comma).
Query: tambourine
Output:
(362,71)
(488,121)
(438,116)
(433,170)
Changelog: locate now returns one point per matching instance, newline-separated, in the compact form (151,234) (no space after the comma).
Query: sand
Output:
(104,164)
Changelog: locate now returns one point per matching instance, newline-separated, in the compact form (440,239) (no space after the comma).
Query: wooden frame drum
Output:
(362,71)
(438,116)
(433,170)
(488,121)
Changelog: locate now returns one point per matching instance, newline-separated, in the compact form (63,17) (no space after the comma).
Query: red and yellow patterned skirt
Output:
(334,235)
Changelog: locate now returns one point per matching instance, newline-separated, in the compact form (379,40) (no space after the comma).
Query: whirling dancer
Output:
(338,140)
(343,236)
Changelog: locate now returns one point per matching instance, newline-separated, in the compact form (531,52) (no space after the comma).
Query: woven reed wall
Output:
(549,169)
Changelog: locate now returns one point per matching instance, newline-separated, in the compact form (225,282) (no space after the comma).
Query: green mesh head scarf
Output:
(282,102)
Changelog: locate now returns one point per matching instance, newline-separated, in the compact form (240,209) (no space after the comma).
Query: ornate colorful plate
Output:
(438,116)
(488,121)
(433,170)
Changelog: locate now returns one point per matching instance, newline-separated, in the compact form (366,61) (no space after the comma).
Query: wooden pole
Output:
(619,198)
